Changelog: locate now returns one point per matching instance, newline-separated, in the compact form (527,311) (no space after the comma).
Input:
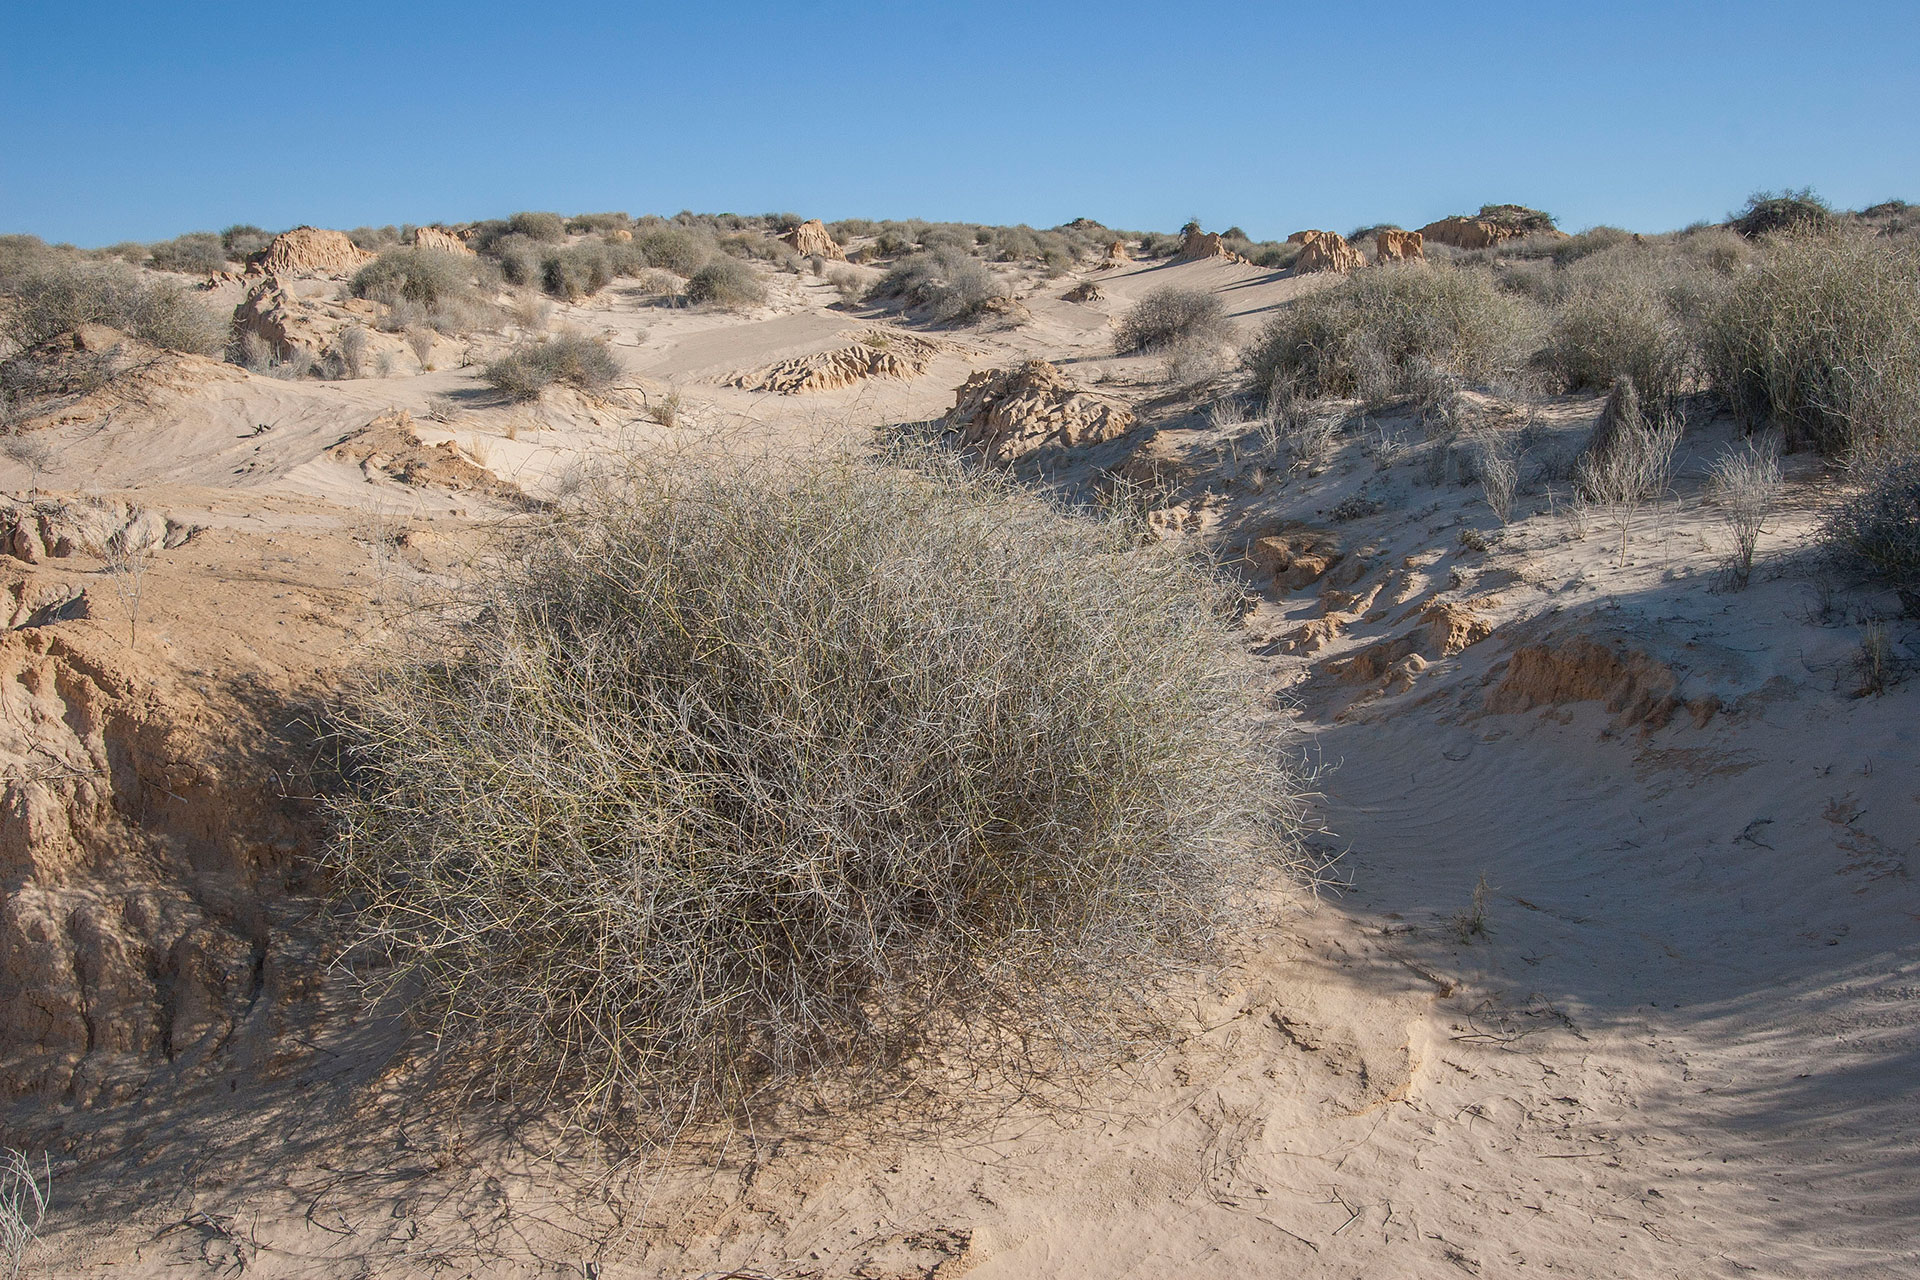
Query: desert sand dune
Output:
(1612,972)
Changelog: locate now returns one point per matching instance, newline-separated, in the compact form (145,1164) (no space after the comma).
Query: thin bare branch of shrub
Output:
(1629,461)
(24,1193)
(1498,471)
(1744,483)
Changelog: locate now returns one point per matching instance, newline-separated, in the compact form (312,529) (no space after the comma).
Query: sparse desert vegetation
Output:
(1822,339)
(51,298)
(836,739)
(1396,332)
(573,360)
(726,282)
(950,285)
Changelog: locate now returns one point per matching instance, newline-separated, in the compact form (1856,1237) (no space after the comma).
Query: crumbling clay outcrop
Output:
(1009,413)
(53,528)
(1399,246)
(1636,688)
(1117,254)
(1085,291)
(810,240)
(310,251)
(1295,557)
(1497,223)
(440,239)
(146,855)
(877,353)
(289,322)
(391,447)
(1200,246)
(1443,629)
(1327,251)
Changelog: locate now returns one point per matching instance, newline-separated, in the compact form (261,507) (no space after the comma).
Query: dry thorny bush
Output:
(730,779)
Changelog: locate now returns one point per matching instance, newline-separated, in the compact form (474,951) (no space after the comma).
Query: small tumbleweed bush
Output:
(737,778)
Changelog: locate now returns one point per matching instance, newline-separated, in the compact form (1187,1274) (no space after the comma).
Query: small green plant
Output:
(1471,923)
(1767,212)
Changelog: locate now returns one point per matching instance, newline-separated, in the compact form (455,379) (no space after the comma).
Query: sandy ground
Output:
(1678,1037)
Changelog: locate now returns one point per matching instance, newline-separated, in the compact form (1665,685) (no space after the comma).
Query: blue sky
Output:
(138,121)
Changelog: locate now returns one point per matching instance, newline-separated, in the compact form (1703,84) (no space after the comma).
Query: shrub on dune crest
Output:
(1390,331)
(531,367)
(428,277)
(726,282)
(52,299)
(745,776)
(950,284)
(1170,316)
(196,253)
(1823,340)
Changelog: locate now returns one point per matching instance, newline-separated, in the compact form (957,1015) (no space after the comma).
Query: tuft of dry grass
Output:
(1629,460)
(1744,483)
(1499,474)
(736,778)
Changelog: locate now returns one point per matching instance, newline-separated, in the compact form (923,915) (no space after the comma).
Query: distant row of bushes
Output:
(49,297)
(1818,332)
